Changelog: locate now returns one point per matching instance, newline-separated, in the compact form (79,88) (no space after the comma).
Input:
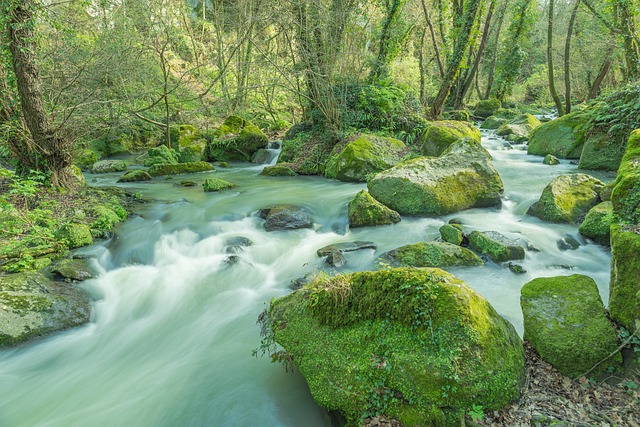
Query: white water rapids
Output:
(173,325)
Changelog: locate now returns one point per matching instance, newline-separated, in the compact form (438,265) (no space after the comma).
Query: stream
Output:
(174,320)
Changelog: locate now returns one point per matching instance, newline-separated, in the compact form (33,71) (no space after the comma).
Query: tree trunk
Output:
(53,153)
(494,54)
(567,62)
(552,83)
(604,69)
(380,69)
(433,38)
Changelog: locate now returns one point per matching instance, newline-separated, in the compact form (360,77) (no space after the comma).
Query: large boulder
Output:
(285,217)
(495,245)
(441,134)
(597,224)
(493,122)
(562,137)
(281,169)
(168,169)
(452,233)
(461,178)
(486,107)
(136,175)
(520,127)
(624,289)
(364,155)
(74,269)
(601,152)
(217,184)
(417,345)
(565,321)
(431,254)
(32,305)
(74,235)
(161,155)
(236,140)
(366,211)
(567,198)
(109,166)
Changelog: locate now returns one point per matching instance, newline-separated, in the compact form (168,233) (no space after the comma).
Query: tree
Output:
(550,70)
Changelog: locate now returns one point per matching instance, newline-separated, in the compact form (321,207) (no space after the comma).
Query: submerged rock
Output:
(335,259)
(281,169)
(422,337)
(108,166)
(285,217)
(567,198)
(495,245)
(431,254)
(217,184)
(365,155)
(565,321)
(32,305)
(550,160)
(441,134)
(366,211)
(462,178)
(345,247)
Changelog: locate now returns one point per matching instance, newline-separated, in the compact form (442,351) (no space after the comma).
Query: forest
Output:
(440,199)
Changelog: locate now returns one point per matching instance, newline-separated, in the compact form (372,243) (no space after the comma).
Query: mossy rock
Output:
(363,156)
(493,122)
(495,245)
(624,289)
(281,169)
(75,235)
(161,155)
(459,115)
(216,184)
(366,211)
(441,134)
(109,166)
(521,127)
(106,218)
(193,153)
(605,193)
(567,198)
(184,135)
(461,178)
(451,233)
(285,217)
(431,254)
(421,337)
(562,137)
(32,306)
(550,160)
(85,158)
(237,140)
(507,113)
(600,152)
(597,224)
(136,175)
(168,169)
(74,269)
(486,107)
(566,323)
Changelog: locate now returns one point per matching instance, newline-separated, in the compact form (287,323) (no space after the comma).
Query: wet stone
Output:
(345,247)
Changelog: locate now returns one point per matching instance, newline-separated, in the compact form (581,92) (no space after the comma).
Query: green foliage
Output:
(476,413)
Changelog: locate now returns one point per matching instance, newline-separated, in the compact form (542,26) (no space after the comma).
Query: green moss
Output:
(624,306)
(216,184)
(75,235)
(550,160)
(85,158)
(507,113)
(136,175)
(75,269)
(366,211)
(431,254)
(167,169)
(451,234)
(521,126)
(109,166)
(441,134)
(493,122)
(565,321)
(161,155)
(597,223)
(567,198)
(420,337)
(106,218)
(600,152)
(363,156)
(193,153)
(487,107)
(281,169)
(495,246)
(307,152)
(562,137)
(236,140)
(459,115)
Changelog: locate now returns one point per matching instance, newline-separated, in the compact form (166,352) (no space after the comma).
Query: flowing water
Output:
(174,319)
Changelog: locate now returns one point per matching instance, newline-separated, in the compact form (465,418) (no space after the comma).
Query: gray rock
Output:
(285,217)
(495,245)
(74,269)
(108,166)
(335,259)
(345,247)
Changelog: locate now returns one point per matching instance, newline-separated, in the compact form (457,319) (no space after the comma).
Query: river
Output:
(174,322)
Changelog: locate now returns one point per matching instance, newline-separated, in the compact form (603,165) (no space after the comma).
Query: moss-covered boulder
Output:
(461,178)
(567,198)
(184,135)
(106,217)
(562,137)
(75,235)
(74,269)
(281,169)
(520,127)
(366,211)
(550,160)
(217,184)
(109,166)
(85,158)
(285,217)
(136,175)
(493,122)
(452,233)
(600,152)
(624,289)
(168,169)
(495,245)
(507,113)
(459,115)
(597,224)
(486,107)
(364,155)
(417,345)
(194,152)
(32,306)
(565,321)
(431,254)
(161,155)
(236,140)
(441,134)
